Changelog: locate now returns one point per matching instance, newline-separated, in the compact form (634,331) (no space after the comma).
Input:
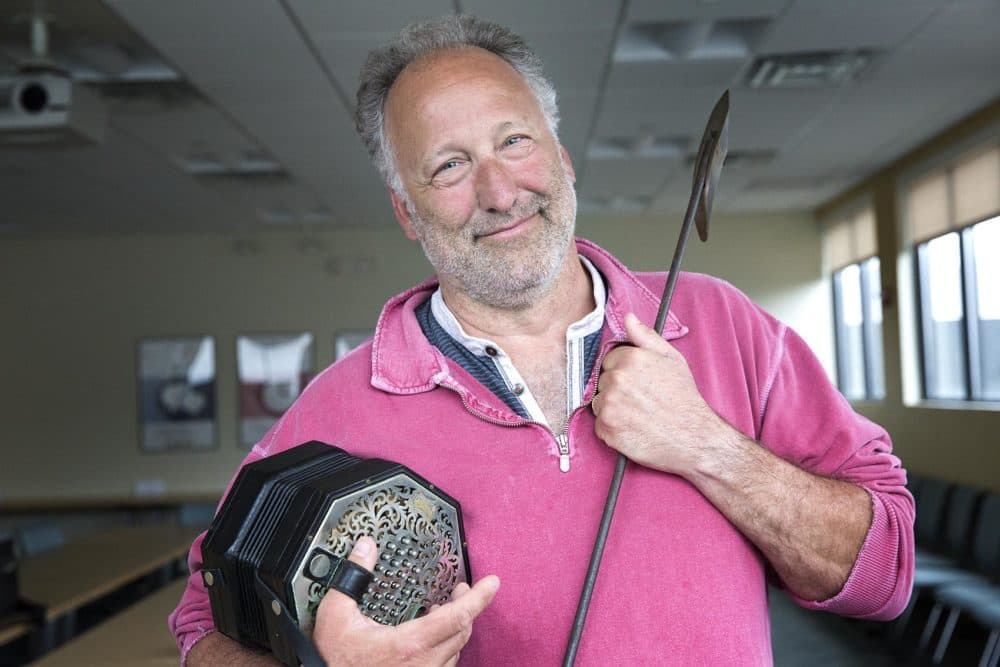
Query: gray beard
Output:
(510,275)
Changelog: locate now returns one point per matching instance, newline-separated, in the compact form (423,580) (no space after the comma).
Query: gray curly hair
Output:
(421,39)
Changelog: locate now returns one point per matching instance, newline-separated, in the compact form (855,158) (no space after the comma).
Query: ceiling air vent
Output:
(797,70)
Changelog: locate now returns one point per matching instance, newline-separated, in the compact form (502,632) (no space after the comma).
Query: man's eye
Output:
(516,139)
(450,164)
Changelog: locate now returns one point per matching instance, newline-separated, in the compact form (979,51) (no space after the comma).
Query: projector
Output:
(49,107)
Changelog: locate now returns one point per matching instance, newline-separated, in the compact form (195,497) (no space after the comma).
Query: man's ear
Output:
(402,215)
(567,163)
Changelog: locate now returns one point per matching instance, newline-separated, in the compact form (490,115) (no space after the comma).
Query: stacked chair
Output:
(978,596)
(957,531)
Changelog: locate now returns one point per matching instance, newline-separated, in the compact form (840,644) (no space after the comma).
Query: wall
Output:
(774,258)
(74,309)
(936,439)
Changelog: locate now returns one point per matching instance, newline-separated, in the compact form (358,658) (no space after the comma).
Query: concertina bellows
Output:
(282,537)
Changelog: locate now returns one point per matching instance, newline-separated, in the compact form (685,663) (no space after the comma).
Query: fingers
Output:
(461,589)
(365,554)
(645,337)
(449,632)
(452,622)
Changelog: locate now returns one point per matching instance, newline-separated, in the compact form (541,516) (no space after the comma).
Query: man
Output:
(515,378)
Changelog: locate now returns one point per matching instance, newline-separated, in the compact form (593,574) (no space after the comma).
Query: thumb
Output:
(335,607)
(364,553)
(645,337)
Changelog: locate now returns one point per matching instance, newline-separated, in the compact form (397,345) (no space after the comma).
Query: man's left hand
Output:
(648,407)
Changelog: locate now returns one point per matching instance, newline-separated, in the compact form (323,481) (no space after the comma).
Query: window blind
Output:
(960,193)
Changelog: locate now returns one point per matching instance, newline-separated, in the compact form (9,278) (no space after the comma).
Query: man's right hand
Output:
(345,637)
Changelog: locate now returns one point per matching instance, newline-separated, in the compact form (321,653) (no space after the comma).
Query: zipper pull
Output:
(563,443)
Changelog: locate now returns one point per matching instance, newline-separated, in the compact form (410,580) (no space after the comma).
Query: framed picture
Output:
(177,394)
(272,370)
(348,340)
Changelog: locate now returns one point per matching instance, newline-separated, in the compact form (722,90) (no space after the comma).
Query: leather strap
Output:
(351,579)
(304,649)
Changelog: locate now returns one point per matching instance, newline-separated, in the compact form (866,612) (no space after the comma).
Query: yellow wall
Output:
(954,443)
(74,309)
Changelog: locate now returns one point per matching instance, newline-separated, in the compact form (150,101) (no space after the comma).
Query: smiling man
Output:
(515,376)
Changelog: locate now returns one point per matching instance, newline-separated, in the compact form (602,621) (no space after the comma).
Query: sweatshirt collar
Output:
(582,328)
(404,361)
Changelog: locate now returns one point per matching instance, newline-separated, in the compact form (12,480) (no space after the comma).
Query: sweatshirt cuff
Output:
(873,581)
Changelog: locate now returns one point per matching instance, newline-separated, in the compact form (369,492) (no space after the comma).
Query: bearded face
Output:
(488,189)
(510,272)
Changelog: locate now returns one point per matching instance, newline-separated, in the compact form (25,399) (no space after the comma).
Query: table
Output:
(50,505)
(65,579)
(137,637)
(13,632)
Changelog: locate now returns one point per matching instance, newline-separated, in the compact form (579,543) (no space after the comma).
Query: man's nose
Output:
(495,187)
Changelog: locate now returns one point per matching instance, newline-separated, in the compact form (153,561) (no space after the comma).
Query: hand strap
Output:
(346,577)
(350,579)
(304,649)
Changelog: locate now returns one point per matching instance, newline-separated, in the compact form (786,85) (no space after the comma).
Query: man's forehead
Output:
(420,86)
(451,61)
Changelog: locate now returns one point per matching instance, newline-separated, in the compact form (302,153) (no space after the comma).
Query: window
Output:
(960,313)
(954,218)
(857,302)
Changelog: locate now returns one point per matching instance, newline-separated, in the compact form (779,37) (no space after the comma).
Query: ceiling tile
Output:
(627,177)
(577,112)
(769,119)
(675,76)
(573,60)
(960,42)
(838,26)
(530,15)
(344,56)
(192,128)
(326,19)
(660,111)
(686,10)
(253,25)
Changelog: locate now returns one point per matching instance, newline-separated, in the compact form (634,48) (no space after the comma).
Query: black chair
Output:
(933,565)
(38,538)
(928,524)
(978,595)
(955,541)
(989,616)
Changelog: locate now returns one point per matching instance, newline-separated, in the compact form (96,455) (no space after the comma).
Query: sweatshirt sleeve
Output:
(192,619)
(807,421)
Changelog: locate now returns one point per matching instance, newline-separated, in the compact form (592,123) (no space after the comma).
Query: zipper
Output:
(611,344)
(562,440)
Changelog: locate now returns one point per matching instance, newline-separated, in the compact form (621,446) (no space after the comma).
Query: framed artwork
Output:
(177,405)
(348,340)
(272,370)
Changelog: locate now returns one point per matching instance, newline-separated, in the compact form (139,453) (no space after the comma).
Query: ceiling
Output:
(238,114)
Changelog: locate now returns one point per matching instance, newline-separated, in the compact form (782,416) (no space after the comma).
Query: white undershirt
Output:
(576,333)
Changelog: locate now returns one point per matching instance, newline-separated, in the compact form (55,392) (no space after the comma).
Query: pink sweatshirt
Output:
(679,584)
